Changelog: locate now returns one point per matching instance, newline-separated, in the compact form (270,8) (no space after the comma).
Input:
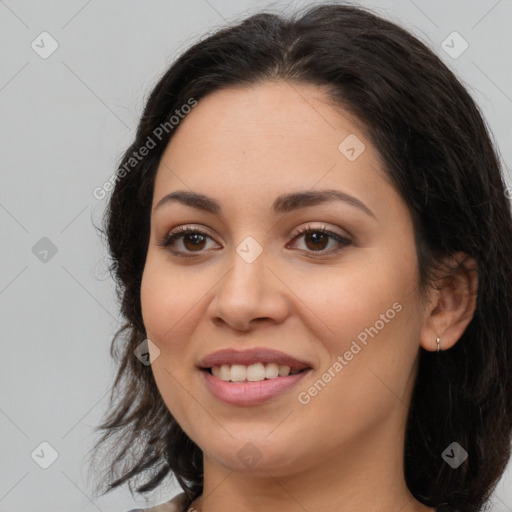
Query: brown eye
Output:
(186,240)
(193,241)
(317,240)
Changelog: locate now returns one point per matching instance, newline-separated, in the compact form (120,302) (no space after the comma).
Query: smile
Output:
(249,393)
(252,373)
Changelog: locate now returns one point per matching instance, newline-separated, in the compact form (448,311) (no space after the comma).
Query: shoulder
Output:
(174,505)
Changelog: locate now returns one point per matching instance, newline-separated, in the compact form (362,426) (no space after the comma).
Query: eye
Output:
(194,240)
(317,239)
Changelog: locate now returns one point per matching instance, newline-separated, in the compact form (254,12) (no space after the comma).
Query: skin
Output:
(343,450)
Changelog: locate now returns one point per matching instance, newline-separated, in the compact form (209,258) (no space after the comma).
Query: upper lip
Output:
(251,356)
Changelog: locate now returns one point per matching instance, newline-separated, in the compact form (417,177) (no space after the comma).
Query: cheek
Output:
(367,374)
(167,299)
(367,312)
(342,300)
(156,301)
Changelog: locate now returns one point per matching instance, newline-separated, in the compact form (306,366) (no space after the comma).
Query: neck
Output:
(366,474)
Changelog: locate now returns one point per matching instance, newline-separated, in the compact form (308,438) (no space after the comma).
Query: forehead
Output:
(257,114)
(274,135)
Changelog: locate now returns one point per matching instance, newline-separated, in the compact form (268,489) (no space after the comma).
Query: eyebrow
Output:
(282,204)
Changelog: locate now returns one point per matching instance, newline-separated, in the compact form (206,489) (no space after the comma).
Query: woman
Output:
(311,239)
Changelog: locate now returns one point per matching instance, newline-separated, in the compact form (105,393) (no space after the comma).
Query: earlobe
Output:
(452,304)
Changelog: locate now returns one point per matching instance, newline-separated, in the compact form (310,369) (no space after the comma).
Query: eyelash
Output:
(186,230)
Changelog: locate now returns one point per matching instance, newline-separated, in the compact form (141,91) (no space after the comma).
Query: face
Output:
(329,280)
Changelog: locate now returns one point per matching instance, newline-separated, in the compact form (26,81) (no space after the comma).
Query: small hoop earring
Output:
(438,341)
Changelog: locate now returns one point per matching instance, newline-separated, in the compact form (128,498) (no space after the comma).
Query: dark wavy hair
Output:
(438,153)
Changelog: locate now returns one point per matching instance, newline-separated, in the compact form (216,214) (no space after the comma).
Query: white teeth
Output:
(225,371)
(238,372)
(284,371)
(271,371)
(253,373)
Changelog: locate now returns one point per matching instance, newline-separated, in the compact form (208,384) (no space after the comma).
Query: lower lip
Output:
(250,393)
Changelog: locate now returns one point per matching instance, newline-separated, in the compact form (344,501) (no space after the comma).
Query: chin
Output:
(258,456)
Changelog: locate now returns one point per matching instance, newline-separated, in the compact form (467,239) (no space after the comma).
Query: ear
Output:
(451,303)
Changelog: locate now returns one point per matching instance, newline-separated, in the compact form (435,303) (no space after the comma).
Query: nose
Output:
(249,294)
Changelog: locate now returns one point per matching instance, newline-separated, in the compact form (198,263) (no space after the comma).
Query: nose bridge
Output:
(246,278)
(245,292)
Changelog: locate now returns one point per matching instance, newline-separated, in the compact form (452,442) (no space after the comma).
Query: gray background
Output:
(65,121)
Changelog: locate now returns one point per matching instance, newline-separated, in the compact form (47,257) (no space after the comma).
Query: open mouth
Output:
(252,384)
(252,373)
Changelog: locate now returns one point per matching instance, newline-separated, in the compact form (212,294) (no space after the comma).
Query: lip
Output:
(252,356)
(250,393)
